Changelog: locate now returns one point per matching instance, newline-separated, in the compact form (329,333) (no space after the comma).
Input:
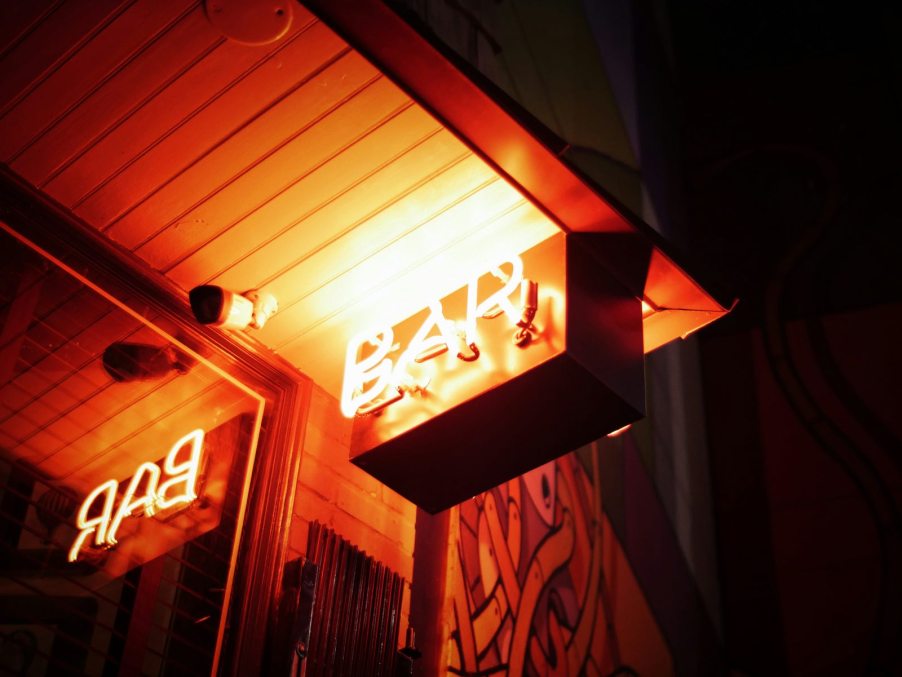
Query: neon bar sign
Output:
(367,380)
(177,491)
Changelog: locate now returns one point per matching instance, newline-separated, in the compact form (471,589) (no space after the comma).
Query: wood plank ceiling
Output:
(293,166)
(61,413)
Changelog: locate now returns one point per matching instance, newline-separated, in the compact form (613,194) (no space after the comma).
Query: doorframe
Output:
(270,501)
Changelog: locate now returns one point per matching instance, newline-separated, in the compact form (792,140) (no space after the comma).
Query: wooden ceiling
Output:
(294,166)
(60,411)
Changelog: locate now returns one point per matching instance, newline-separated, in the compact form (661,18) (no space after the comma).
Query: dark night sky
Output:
(790,145)
(791,142)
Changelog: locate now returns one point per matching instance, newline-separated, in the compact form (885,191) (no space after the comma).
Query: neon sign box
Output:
(537,356)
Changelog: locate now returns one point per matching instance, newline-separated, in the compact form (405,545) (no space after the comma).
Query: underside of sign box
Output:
(480,423)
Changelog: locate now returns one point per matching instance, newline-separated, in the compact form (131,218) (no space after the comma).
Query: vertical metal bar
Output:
(362,624)
(390,644)
(314,555)
(334,554)
(379,619)
(313,542)
(357,611)
(335,611)
(321,615)
(385,621)
(393,644)
(302,621)
(365,564)
(318,542)
(321,602)
(347,612)
(372,603)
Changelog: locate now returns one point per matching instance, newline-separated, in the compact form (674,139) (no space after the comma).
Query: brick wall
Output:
(343,497)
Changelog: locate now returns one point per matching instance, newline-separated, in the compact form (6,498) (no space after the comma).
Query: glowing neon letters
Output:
(367,378)
(144,493)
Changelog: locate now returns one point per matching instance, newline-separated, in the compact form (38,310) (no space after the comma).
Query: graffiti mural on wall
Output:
(529,590)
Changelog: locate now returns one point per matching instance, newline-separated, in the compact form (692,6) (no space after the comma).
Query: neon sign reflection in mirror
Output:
(177,491)
(373,381)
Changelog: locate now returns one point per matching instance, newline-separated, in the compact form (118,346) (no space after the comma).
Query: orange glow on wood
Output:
(303,168)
